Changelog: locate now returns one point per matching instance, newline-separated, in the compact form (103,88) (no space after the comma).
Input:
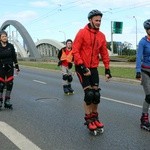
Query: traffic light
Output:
(117,27)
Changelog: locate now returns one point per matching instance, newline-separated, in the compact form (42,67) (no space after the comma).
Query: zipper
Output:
(92,47)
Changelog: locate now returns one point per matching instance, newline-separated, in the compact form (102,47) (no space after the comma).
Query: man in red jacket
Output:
(88,46)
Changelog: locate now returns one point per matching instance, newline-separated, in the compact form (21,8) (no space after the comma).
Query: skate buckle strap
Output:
(95,116)
(88,118)
(145,118)
(88,121)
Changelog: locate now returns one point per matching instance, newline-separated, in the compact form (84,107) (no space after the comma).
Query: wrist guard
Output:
(138,75)
(84,69)
(17,67)
(107,71)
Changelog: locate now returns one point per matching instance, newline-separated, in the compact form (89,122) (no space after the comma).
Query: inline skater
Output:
(143,73)
(65,62)
(88,46)
(8,59)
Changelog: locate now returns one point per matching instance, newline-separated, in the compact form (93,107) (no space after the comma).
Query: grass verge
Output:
(121,72)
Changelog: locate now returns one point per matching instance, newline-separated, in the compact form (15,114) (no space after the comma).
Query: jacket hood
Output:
(88,27)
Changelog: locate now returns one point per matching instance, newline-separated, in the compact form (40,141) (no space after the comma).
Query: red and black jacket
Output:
(89,45)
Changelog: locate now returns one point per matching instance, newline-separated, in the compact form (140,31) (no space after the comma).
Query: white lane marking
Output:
(126,103)
(39,81)
(17,138)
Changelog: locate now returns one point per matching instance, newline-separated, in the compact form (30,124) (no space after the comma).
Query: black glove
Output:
(107,71)
(17,67)
(59,63)
(84,69)
(138,75)
(70,65)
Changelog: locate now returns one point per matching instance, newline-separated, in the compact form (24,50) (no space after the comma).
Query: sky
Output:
(62,19)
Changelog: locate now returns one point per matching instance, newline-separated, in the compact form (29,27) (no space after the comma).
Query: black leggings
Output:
(6,76)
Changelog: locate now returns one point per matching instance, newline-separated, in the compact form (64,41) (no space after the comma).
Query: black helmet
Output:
(94,13)
(68,40)
(146,24)
(3,32)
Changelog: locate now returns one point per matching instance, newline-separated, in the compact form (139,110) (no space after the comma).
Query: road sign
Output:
(117,27)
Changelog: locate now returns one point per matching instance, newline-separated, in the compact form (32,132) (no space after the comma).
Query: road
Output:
(44,118)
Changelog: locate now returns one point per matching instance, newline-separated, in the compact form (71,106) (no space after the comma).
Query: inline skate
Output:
(91,125)
(145,124)
(100,125)
(66,90)
(7,103)
(71,91)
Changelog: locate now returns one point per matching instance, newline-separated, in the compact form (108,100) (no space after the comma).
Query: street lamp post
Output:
(136,30)
(64,35)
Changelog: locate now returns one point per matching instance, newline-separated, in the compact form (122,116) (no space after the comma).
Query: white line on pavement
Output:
(121,102)
(39,81)
(17,138)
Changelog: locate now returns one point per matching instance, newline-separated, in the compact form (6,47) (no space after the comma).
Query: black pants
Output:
(92,80)
(6,78)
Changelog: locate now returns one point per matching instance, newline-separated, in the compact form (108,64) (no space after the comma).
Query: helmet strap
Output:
(92,24)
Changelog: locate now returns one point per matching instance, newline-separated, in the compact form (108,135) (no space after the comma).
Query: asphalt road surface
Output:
(44,118)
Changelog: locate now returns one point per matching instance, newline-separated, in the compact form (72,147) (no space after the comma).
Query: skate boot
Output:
(7,103)
(145,124)
(71,91)
(90,124)
(66,90)
(100,125)
(1,102)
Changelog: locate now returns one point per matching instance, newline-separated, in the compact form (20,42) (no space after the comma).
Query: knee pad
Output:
(89,95)
(97,95)
(70,78)
(2,85)
(65,77)
(147,99)
(9,85)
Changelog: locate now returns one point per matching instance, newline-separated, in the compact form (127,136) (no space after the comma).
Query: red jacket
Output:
(88,46)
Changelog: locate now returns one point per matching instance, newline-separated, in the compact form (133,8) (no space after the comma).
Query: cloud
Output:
(39,4)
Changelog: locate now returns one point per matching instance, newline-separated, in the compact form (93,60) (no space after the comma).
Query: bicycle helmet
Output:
(146,24)
(94,13)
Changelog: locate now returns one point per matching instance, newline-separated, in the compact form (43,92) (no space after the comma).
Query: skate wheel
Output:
(145,128)
(94,132)
(71,93)
(98,131)
(9,107)
(102,130)
(66,93)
